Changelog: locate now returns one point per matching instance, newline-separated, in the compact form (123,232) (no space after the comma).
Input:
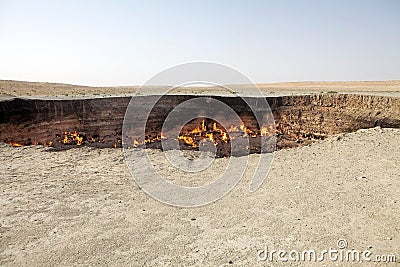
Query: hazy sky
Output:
(127,42)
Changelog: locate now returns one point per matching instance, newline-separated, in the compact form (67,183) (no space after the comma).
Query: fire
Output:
(201,129)
(72,138)
(65,140)
(210,137)
(233,129)
(206,130)
(200,133)
(224,137)
(148,140)
(203,126)
(243,130)
(135,143)
(188,140)
(218,134)
(215,133)
(264,131)
(16,144)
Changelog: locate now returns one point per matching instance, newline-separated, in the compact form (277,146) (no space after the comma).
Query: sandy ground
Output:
(20,88)
(81,206)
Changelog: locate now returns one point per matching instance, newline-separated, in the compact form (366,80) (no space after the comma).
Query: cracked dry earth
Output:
(81,206)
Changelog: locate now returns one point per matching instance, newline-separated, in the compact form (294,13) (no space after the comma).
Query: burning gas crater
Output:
(99,122)
(218,135)
(207,132)
(210,132)
(214,134)
(72,139)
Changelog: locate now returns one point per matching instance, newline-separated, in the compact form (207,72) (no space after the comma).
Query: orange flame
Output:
(203,132)
(135,143)
(224,137)
(188,140)
(70,138)
(16,144)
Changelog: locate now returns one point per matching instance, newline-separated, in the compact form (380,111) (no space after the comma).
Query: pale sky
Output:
(127,42)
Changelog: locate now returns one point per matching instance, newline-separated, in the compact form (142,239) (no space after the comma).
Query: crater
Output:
(98,122)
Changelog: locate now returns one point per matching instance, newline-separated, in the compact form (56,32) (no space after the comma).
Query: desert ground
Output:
(20,88)
(82,206)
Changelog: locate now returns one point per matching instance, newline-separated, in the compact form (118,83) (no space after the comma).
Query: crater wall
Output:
(299,119)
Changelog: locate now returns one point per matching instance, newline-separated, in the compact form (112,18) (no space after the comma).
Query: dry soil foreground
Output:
(81,206)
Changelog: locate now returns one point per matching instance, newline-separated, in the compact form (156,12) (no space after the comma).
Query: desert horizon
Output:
(25,88)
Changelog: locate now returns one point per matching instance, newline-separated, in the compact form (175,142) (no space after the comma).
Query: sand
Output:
(59,90)
(82,206)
